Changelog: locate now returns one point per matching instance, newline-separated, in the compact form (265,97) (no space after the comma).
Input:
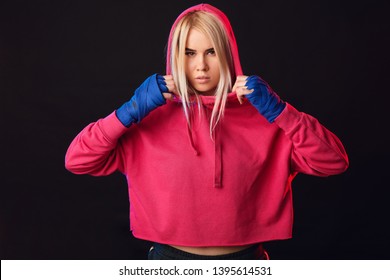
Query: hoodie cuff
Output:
(111,127)
(288,118)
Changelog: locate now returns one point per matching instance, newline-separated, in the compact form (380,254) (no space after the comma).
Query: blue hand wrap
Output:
(264,99)
(146,98)
(162,84)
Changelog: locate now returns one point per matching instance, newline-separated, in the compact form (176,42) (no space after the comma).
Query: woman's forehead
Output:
(198,40)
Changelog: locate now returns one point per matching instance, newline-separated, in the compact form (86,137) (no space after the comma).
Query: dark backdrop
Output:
(65,64)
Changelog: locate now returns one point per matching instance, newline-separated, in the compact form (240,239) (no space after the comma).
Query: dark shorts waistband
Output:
(165,252)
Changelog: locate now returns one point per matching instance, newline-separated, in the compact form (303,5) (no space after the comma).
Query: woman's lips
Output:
(202,79)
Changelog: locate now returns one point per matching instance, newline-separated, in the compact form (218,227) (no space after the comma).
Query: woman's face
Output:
(201,63)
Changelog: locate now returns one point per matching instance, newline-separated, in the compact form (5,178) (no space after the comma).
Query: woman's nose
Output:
(201,64)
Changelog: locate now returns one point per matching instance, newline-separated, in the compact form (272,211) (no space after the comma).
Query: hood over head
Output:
(229,31)
(210,100)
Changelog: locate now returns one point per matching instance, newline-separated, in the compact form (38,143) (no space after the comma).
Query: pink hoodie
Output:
(186,189)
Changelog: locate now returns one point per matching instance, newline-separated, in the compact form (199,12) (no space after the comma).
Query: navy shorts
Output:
(166,252)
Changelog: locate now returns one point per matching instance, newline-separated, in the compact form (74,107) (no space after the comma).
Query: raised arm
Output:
(97,149)
(316,150)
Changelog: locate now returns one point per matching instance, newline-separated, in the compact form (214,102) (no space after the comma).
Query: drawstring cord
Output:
(217,152)
(217,157)
(189,133)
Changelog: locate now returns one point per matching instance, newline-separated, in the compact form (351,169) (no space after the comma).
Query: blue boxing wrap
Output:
(264,99)
(146,98)
(162,84)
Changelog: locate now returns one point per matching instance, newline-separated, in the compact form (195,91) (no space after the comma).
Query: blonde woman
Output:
(209,153)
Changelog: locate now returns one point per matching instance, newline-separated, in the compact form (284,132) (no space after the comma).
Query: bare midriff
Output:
(211,251)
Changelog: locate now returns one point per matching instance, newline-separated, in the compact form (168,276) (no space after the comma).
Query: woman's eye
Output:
(211,52)
(190,53)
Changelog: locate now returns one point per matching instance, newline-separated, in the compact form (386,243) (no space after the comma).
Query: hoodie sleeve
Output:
(96,149)
(316,150)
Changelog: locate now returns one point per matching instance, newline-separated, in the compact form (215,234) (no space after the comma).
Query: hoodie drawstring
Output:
(217,157)
(189,133)
(217,154)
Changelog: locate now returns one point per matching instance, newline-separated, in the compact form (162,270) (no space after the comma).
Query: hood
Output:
(232,40)
(210,100)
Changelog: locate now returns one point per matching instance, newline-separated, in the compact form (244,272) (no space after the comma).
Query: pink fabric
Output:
(235,190)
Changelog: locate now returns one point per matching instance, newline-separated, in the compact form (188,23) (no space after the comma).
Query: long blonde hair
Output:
(212,27)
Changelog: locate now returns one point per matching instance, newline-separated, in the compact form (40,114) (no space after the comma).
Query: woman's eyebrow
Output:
(191,50)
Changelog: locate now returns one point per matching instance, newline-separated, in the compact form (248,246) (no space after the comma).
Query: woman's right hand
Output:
(170,84)
(147,97)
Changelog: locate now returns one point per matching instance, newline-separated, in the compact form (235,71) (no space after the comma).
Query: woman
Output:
(209,153)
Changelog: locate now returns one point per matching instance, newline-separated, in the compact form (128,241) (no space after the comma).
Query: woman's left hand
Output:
(240,88)
(260,95)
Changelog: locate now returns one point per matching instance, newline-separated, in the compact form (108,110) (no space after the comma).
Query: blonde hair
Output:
(212,27)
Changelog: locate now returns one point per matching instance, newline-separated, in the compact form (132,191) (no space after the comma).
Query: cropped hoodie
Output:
(188,189)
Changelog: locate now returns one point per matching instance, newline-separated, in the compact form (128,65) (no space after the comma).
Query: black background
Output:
(65,64)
